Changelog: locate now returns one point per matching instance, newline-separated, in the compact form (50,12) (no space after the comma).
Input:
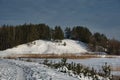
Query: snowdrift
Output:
(48,47)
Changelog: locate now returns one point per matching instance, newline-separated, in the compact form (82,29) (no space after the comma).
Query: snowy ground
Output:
(47,47)
(97,63)
(21,70)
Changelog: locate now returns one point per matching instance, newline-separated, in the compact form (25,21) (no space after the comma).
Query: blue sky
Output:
(98,15)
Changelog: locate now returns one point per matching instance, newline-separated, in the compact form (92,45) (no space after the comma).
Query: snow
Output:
(21,74)
(96,63)
(7,72)
(21,70)
(47,47)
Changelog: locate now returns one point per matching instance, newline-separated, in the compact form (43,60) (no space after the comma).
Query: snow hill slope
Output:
(48,47)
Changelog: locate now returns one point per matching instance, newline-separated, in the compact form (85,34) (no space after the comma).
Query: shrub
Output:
(63,61)
(45,61)
(106,70)
(64,43)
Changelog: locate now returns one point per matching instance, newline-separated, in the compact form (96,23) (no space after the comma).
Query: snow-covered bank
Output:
(10,72)
(90,62)
(47,47)
(21,70)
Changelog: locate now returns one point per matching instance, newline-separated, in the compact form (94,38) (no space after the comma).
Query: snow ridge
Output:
(48,47)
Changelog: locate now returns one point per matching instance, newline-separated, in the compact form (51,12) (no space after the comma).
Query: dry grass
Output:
(69,56)
(117,68)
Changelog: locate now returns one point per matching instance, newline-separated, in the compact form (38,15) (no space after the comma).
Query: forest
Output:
(11,36)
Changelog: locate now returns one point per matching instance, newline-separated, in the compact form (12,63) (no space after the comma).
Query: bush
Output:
(106,70)
(63,61)
(77,69)
(64,43)
(45,61)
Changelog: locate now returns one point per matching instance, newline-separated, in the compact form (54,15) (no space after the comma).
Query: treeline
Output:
(97,42)
(11,36)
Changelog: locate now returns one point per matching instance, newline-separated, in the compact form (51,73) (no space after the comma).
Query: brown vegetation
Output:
(68,56)
(117,68)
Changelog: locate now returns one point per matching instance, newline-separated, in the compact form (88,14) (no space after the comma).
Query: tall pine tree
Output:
(58,33)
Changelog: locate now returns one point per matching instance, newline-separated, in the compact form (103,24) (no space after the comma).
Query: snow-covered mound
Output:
(47,47)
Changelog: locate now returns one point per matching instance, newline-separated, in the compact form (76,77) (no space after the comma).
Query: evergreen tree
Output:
(63,61)
(113,47)
(58,33)
(34,33)
(11,36)
(67,32)
(81,33)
